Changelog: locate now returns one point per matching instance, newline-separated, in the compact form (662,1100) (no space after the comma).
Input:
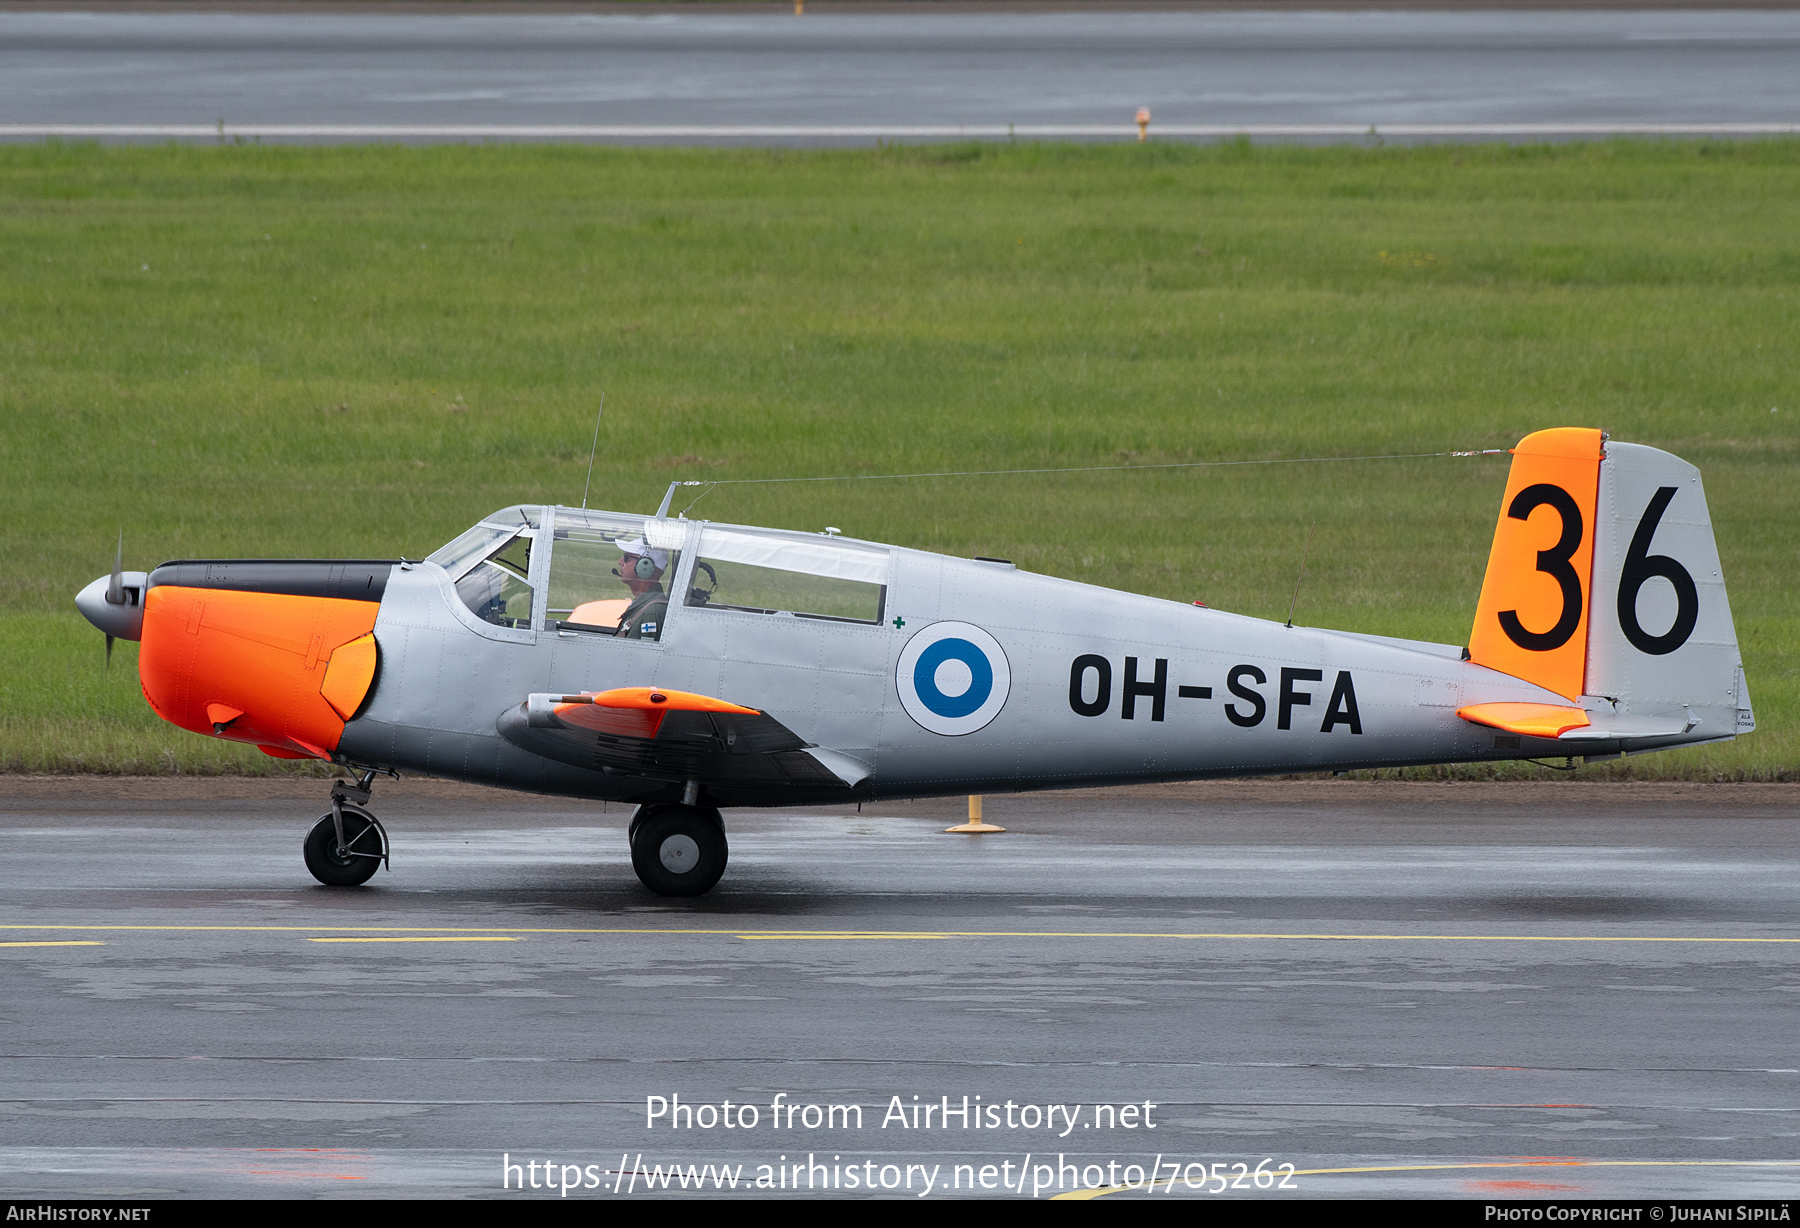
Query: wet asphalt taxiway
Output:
(756,75)
(1401,990)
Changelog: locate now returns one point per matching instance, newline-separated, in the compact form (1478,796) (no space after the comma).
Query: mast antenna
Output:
(591,451)
(1297,578)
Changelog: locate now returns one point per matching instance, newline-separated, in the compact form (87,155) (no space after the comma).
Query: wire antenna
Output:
(591,451)
(1297,579)
(983,473)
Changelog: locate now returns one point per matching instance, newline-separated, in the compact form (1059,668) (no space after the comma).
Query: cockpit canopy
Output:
(608,574)
(612,575)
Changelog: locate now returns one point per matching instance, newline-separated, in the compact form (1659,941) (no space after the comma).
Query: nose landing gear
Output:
(678,850)
(347,845)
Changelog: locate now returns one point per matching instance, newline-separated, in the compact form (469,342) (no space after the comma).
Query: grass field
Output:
(258,351)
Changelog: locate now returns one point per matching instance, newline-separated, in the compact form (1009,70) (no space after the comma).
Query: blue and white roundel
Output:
(953,678)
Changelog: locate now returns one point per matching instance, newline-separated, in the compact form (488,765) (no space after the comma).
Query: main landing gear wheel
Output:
(655,808)
(678,850)
(351,865)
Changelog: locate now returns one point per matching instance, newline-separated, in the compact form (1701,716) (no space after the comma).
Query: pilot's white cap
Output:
(643,549)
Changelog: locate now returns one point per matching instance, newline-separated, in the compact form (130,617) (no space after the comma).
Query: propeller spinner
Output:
(115,603)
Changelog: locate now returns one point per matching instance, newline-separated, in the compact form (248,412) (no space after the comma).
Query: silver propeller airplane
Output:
(686,665)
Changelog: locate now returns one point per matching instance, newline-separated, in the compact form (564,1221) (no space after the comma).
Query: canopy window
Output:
(776,575)
(469,548)
(498,588)
(610,576)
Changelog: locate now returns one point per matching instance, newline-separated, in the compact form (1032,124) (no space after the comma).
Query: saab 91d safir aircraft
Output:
(686,665)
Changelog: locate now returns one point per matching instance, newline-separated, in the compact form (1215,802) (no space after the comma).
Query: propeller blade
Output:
(115,592)
(109,640)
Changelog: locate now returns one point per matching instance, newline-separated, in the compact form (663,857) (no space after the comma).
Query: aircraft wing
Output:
(676,736)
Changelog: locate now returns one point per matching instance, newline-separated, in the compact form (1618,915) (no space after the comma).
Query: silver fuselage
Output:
(1237,696)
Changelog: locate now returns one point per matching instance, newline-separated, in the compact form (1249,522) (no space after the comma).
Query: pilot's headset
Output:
(643,569)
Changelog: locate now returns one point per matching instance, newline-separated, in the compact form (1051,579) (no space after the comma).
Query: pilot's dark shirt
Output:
(643,618)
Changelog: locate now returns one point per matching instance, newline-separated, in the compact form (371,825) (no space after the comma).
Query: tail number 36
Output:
(1640,566)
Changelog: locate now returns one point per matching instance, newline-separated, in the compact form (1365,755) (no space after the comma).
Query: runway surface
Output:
(1420,991)
(857,78)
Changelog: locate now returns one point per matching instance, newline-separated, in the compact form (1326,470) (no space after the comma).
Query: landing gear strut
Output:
(347,845)
(678,850)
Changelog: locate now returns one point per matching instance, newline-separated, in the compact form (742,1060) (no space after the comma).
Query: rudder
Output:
(1662,640)
(1532,619)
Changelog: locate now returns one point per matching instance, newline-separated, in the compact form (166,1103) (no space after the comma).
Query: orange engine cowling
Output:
(283,672)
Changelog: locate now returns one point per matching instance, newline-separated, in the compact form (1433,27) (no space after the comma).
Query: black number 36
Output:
(1553,562)
(1641,565)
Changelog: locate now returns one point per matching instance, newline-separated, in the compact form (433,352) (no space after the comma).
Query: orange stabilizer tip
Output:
(1532,720)
(349,674)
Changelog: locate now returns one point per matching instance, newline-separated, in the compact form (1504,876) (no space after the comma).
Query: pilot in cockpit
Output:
(641,567)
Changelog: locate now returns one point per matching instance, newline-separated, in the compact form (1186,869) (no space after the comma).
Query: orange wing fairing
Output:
(1532,720)
(1536,598)
(636,711)
(658,699)
(620,722)
(266,656)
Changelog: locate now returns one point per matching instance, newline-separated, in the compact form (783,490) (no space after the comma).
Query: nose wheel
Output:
(678,850)
(347,845)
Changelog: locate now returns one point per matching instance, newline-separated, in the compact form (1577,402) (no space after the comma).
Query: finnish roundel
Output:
(953,678)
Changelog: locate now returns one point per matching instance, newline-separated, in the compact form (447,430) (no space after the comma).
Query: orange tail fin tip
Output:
(1532,619)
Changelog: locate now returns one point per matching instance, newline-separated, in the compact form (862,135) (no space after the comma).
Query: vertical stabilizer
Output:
(1604,586)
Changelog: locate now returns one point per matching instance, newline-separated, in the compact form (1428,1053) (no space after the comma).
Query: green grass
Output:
(243,351)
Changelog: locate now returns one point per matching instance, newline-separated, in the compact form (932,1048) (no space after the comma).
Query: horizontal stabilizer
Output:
(1532,720)
(1572,724)
(1608,728)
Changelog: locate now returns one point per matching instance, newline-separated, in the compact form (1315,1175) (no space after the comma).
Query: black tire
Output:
(679,851)
(644,812)
(637,820)
(360,835)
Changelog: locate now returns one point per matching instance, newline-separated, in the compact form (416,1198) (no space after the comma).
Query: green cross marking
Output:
(899,622)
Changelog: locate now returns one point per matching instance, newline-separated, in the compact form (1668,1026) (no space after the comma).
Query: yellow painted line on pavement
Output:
(56,943)
(844,935)
(1103,1191)
(453,938)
